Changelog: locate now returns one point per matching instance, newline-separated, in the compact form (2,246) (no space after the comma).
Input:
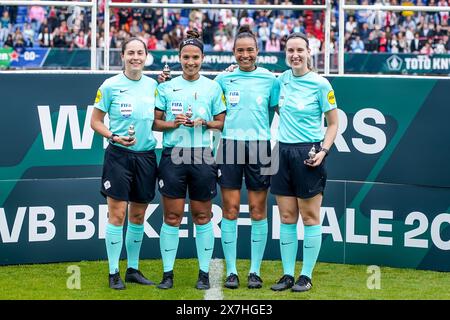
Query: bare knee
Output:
(172,219)
(201,217)
(258,213)
(136,218)
(288,217)
(231,212)
(310,220)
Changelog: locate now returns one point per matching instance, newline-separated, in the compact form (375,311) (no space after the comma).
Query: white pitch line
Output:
(215,280)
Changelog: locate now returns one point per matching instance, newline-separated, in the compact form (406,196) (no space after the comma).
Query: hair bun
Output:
(193,34)
(244,28)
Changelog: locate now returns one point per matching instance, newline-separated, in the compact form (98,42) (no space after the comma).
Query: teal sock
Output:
(114,241)
(133,241)
(168,244)
(288,247)
(204,241)
(311,248)
(258,244)
(229,237)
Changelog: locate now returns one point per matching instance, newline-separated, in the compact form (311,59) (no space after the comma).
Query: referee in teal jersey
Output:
(302,147)
(130,168)
(244,151)
(187,108)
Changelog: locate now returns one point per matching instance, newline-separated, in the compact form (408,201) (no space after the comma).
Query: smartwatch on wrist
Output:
(111,138)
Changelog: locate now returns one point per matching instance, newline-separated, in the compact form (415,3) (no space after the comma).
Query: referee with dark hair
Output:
(130,168)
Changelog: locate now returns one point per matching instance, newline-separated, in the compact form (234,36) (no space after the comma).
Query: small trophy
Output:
(189,114)
(131,133)
(166,71)
(311,155)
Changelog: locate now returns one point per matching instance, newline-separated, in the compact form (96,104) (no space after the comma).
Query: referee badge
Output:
(98,97)
(126,109)
(330,97)
(234,97)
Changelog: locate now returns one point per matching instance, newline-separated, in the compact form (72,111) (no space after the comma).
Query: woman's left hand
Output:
(195,123)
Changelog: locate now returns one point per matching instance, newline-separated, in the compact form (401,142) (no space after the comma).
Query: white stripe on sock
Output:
(215,280)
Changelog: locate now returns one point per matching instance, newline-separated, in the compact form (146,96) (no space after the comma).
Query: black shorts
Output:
(129,175)
(294,178)
(249,159)
(188,169)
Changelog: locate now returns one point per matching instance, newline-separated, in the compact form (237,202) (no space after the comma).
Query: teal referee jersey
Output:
(129,102)
(302,102)
(203,97)
(248,98)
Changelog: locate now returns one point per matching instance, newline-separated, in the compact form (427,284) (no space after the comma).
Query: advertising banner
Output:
(387,200)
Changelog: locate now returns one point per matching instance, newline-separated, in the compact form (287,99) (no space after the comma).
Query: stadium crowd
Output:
(161,29)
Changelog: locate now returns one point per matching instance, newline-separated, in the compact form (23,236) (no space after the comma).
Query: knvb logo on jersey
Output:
(394,63)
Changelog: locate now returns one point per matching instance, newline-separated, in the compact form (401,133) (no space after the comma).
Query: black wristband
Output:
(325,150)
(111,138)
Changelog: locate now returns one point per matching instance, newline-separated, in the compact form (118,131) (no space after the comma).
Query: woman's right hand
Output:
(162,77)
(231,68)
(180,119)
(125,141)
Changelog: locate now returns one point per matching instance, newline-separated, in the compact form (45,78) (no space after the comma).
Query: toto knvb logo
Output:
(394,63)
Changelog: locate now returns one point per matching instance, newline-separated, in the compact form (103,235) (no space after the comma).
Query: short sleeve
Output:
(275,93)
(218,100)
(103,98)
(326,96)
(160,98)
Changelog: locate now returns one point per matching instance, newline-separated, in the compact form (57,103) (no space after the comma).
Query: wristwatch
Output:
(111,138)
(325,150)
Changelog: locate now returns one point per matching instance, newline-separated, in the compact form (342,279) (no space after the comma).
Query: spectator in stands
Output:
(446,43)
(350,24)
(36,16)
(59,40)
(364,32)
(371,44)
(28,35)
(298,26)
(152,43)
(19,44)
(9,42)
(416,43)
(440,48)
(427,48)
(5,26)
(263,35)
(393,46)
(80,40)
(382,42)
(357,45)
(314,45)
(45,38)
(402,43)
(207,33)
(273,45)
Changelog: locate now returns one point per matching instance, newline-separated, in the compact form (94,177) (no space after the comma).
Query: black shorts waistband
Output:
(165,149)
(124,150)
(299,144)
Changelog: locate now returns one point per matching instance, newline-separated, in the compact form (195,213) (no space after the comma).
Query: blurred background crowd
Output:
(162,29)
